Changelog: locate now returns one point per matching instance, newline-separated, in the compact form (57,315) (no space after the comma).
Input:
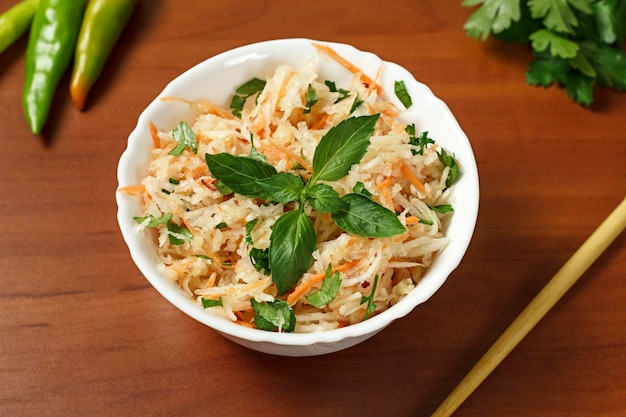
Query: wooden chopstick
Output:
(580,261)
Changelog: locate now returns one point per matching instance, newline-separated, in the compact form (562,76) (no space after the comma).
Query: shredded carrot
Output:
(208,252)
(203,106)
(348,65)
(291,154)
(380,71)
(211,281)
(155,135)
(412,178)
(301,289)
(412,220)
(133,190)
(385,183)
(321,122)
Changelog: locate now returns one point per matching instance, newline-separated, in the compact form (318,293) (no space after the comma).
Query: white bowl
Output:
(216,79)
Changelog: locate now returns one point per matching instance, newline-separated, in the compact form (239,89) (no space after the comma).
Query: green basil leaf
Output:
(329,290)
(403,95)
(207,303)
(292,244)
(324,199)
(178,234)
(365,217)
(343,146)
(154,221)
(371,306)
(183,134)
(240,173)
(275,315)
(283,187)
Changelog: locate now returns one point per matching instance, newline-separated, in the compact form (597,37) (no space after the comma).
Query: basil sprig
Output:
(293,238)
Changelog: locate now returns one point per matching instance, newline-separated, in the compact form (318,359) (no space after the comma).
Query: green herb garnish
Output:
(403,95)
(293,238)
(153,221)
(240,173)
(246,90)
(311,98)
(365,217)
(371,306)
(343,94)
(273,316)
(420,142)
(178,234)
(449,161)
(185,137)
(207,303)
(442,208)
(356,104)
(329,290)
(258,257)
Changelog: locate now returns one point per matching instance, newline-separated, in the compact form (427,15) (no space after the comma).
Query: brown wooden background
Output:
(82,332)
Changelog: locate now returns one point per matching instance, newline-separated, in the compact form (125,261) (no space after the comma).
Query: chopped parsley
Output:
(371,306)
(185,137)
(329,290)
(246,90)
(311,98)
(420,142)
(207,303)
(276,315)
(403,95)
(343,94)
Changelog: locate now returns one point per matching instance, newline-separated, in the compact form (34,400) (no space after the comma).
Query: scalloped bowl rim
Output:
(221,74)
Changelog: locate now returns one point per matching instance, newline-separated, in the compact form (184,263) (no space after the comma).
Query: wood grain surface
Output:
(82,333)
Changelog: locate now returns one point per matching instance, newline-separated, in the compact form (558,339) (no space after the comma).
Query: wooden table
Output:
(83,333)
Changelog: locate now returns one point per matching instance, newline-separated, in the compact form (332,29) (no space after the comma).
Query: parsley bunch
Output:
(575,43)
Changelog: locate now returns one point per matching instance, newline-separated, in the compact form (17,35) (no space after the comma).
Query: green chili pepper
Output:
(15,21)
(102,25)
(50,49)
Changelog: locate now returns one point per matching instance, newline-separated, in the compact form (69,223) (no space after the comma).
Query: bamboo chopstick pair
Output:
(580,261)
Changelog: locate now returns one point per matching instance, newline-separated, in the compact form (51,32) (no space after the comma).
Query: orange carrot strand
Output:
(348,65)
(412,178)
